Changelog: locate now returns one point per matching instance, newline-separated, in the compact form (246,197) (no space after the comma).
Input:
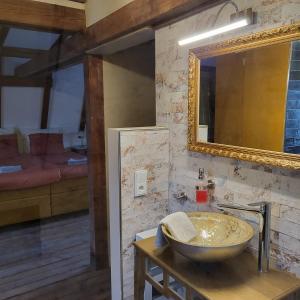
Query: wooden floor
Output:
(50,260)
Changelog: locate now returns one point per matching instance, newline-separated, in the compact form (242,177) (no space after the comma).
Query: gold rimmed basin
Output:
(219,237)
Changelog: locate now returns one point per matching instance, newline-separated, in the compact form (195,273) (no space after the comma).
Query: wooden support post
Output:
(46,103)
(96,159)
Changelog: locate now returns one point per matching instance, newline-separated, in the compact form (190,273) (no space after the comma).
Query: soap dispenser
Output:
(201,188)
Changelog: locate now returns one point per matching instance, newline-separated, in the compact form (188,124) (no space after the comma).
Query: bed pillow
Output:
(8,146)
(26,132)
(46,143)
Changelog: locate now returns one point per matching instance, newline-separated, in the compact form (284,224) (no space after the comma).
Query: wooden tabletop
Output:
(233,279)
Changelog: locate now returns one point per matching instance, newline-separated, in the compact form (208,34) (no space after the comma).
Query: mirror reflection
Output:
(252,98)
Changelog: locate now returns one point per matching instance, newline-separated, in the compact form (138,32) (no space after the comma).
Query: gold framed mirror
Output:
(244,98)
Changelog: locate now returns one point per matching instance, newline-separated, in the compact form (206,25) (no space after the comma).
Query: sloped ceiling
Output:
(21,38)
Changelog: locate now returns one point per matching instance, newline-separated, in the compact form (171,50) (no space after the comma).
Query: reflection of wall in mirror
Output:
(251,93)
(292,124)
(207,100)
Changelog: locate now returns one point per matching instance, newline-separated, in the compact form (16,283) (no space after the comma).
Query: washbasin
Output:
(219,237)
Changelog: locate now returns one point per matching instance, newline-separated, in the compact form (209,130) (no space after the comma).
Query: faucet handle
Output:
(237,207)
(258,203)
(262,204)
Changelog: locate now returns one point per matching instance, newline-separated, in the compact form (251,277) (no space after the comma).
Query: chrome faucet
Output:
(264,209)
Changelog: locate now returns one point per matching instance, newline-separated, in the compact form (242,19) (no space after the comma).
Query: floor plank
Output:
(50,260)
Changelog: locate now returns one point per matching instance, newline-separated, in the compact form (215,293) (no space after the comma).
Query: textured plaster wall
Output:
(141,149)
(236,182)
(99,9)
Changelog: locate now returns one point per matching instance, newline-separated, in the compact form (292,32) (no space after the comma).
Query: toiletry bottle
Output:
(201,189)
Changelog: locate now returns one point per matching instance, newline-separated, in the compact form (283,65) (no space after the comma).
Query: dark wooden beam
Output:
(138,14)
(70,49)
(0,93)
(131,17)
(24,82)
(46,103)
(3,34)
(82,117)
(41,15)
(21,52)
(96,159)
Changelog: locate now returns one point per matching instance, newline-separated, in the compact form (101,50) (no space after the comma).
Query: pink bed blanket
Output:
(67,171)
(33,173)
(47,163)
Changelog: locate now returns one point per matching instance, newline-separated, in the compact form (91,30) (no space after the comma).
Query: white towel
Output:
(180,227)
(77,161)
(10,169)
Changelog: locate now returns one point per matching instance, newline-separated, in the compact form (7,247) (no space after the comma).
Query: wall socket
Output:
(140,183)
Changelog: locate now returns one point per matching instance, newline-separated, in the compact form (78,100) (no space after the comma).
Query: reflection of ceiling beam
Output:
(41,15)
(131,17)
(46,103)
(21,52)
(3,34)
(16,81)
(68,51)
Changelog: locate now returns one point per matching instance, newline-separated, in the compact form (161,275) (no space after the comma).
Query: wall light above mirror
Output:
(244,98)
(239,19)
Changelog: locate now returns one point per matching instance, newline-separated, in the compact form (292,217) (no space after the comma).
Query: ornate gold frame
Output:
(260,39)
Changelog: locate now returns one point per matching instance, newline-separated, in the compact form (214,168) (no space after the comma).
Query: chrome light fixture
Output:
(240,19)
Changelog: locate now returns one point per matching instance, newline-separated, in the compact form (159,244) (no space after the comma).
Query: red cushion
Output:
(8,146)
(46,143)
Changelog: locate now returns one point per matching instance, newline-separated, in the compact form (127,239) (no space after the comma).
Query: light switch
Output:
(140,183)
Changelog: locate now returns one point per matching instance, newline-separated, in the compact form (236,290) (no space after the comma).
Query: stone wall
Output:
(141,149)
(236,182)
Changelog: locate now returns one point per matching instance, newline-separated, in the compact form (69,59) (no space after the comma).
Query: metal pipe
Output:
(264,235)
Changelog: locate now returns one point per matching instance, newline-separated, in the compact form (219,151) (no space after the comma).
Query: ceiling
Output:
(30,39)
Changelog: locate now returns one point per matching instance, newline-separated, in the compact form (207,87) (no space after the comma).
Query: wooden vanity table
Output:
(234,279)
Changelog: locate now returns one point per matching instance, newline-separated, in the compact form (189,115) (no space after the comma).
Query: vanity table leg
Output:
(139,275)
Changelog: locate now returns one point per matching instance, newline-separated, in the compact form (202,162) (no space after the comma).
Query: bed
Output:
(47,185)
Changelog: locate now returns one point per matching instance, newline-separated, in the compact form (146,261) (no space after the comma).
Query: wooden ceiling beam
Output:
(131,17)
(41,15)
(21,52)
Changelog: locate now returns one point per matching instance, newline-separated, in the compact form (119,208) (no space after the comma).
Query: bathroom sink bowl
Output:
(220,237)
